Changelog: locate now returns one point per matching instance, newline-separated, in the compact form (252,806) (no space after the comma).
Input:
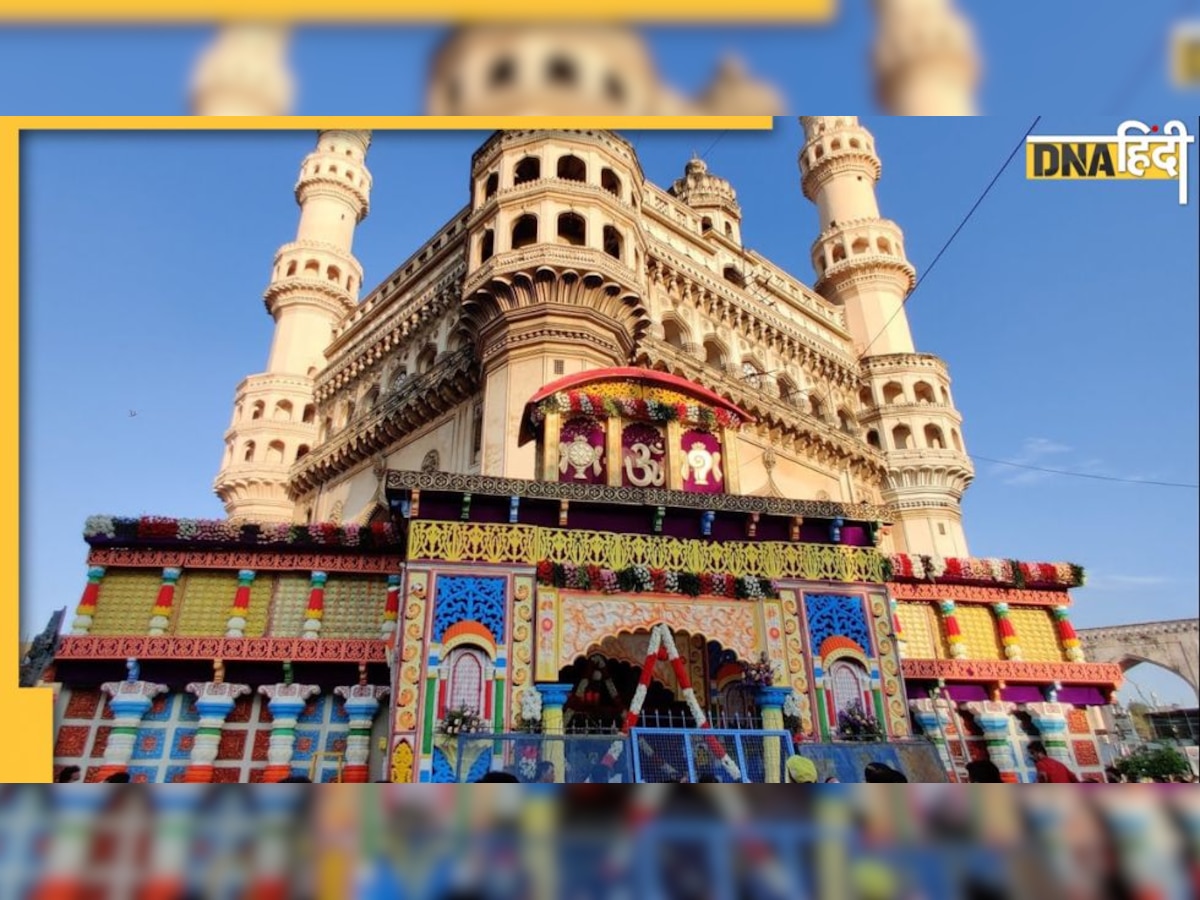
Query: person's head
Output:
(1037,750)
(545,773)
(983,771)
(119,778)
(801,770)
(67,774)
(499,776)
(877,772)
(832,780)
(704,779)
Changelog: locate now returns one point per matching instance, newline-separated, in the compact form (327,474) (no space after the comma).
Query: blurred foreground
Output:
(873,842)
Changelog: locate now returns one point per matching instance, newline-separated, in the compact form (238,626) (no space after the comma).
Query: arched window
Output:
(275,451)
(399,378)
(327,429)
(815,407)
(487,246)
(312,266)
(491,186)
(674,333)
(860,245)
(524,232)
(934,438)
(956,440)
(706,225)
(924,393)
(310,414)
(291,269)
(283,411)
(873,439)
(503,73)
(729,230)
(613,242)
(733,276)
(893,392)
(426,360)
(248,453)
(884,246)
(610,182)
(371,399)
(849,683)
(466,680)
(334,274)
(572,230)
(350,410)
(572,168)
(838,253)
(257,410)
(561,72)
(714,355)
(846,421)
(902,437)
(865,397)
(528,169)
(787,391)
(301,452)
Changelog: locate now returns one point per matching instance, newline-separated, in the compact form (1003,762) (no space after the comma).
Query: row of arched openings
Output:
(568,168)
(571,230)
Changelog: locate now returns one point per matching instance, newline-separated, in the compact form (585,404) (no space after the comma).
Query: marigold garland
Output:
(992,572)
(101,530)
(584,403)
(639,579)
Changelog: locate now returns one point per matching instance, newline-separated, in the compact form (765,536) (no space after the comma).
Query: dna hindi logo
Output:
(1136,151)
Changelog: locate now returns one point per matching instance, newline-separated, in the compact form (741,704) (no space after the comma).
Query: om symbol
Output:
(701,463)
(641,467)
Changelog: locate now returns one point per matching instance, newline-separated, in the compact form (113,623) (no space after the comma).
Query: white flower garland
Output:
(531,705)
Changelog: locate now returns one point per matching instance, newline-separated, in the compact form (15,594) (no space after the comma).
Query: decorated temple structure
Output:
(583,462)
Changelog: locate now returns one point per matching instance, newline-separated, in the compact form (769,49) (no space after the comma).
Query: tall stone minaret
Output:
(314,284)
(905,405)
(244,72)
(926,60)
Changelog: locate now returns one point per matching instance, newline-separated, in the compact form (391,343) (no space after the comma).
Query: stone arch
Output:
(1173,645)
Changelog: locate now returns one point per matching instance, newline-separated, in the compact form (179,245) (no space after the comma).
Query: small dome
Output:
(700,189)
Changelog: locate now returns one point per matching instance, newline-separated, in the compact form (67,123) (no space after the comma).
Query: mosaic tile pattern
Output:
(126,603)
(288,605)
(353,606)
(978,627)
(917,622)
(203,600)
(1037,635)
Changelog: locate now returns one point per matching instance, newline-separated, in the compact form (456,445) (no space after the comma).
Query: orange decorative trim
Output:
(298,649)
(994,670)
(975,594)
(838,642)
(261,561)
(469,632)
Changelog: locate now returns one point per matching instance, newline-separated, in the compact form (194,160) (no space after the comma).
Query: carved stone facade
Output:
(1174,645)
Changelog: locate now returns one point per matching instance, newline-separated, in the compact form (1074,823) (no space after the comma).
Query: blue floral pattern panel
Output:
(836,615)
(443,772)
(482,766)
(463,598)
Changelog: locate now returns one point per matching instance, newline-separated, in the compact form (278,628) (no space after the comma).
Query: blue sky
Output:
(1067,312)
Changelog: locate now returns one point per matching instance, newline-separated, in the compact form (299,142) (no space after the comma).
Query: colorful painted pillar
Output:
(78,809)
(954,637)
(362,705)
(1066,634)
(897,627)
(175,808)
(275,807)
(391,610)
(995,719)
(87,603)
(130,700)
(770,705)
(214,702)
(236,626)
(554,698)
(1008,633)
(285,701)
(1050,719)
(934,718)
(316,607)
(160,618)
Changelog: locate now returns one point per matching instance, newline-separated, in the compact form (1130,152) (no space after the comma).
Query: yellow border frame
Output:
(30,758)
(187,12)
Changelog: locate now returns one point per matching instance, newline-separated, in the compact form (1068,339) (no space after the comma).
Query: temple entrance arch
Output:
(1173,645)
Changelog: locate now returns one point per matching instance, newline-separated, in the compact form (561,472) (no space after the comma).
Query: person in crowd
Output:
(983,771)
(1049,771)
(499,776)
(296,779)
(878,772)
(801,770)
(119,778)
(67,774)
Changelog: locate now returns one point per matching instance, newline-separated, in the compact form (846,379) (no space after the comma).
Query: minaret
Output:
(314,284)
(244,72)
(926,60)
(905,406)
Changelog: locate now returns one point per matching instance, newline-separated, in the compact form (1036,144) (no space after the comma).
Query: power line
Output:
(961,225)
(714,143)
(1005,462)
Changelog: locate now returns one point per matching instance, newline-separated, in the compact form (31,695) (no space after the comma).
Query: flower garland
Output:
(638,579)
(759,674)
(856,722)
(954,636)
(662,648)
(1008,634)
(462,721)
(965,570)
(584,403)
(99,530)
